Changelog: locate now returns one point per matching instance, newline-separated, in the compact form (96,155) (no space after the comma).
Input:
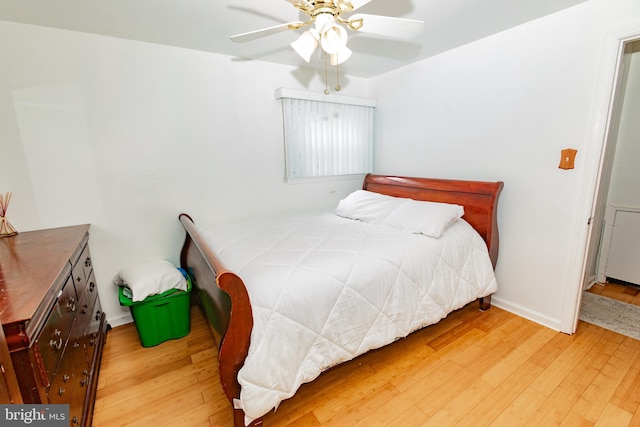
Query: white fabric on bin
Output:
(150,278)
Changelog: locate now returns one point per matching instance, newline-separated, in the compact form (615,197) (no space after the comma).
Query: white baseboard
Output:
(527,313)
(120,320)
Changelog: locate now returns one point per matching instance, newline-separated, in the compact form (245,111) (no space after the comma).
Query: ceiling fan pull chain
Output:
(338,87)
(326,75)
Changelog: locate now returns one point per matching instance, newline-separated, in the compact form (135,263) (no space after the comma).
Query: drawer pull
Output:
(84,382)
(61,391)
(56,345)
(74,420)
(65,378)
(92,286)
(87,262)
(71,305)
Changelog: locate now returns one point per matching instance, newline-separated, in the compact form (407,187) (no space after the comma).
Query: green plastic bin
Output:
(162,317)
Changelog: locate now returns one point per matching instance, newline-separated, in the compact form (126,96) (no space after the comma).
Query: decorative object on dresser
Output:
(6,229)
(52,318)
(236,300)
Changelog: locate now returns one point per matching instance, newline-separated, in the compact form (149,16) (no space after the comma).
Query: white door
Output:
(623,261)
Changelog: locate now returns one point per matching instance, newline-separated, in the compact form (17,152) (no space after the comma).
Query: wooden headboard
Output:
(479,199)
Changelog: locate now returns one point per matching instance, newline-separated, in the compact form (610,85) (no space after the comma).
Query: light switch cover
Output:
(567,158)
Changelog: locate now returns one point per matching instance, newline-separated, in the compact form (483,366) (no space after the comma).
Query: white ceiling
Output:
(207,24)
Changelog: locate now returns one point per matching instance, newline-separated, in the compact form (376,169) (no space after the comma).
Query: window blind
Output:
(327,138)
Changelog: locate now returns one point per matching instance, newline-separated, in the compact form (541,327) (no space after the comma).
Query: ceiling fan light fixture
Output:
(356,24)
(333,37)
(306,44)
(344,6)
(341,56)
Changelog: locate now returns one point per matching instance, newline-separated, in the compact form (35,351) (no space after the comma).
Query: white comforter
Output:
(325,289)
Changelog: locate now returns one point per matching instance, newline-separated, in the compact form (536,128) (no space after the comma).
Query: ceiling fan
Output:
(329,30)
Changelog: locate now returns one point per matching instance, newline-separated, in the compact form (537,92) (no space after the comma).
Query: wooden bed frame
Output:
(222,296)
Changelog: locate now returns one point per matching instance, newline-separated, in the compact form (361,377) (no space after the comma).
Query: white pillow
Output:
(151,278)
(367,206)
(428,218)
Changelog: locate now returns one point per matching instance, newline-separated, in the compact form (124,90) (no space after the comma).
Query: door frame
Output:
(598,161)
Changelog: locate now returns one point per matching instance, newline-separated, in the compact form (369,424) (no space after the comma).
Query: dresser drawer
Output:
(72,377)
(92,288)
(93,331)
(81,271)
(55,333)
(82,322)
(71,380)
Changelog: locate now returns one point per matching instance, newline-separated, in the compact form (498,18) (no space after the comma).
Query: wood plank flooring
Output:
(625,293)
(471,369)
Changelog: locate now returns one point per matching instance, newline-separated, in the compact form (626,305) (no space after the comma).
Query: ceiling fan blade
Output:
(253,35)
(357,4)
(388,26)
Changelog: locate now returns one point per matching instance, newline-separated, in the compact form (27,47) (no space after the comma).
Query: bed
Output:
(253,339)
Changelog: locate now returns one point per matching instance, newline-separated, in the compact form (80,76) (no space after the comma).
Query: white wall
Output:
(126,135)
(502,108)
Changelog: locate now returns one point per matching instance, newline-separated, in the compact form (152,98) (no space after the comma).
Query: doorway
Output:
(616,191)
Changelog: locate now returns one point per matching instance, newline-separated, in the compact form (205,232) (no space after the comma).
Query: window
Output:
(326,135)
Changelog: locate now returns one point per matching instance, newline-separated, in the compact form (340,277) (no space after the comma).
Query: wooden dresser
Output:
(52,319)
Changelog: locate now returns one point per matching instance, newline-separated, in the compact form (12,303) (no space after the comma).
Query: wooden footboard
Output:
(223,297)
(226,307)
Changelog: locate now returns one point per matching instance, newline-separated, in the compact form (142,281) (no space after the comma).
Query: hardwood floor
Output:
(625,293)
(471,369)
